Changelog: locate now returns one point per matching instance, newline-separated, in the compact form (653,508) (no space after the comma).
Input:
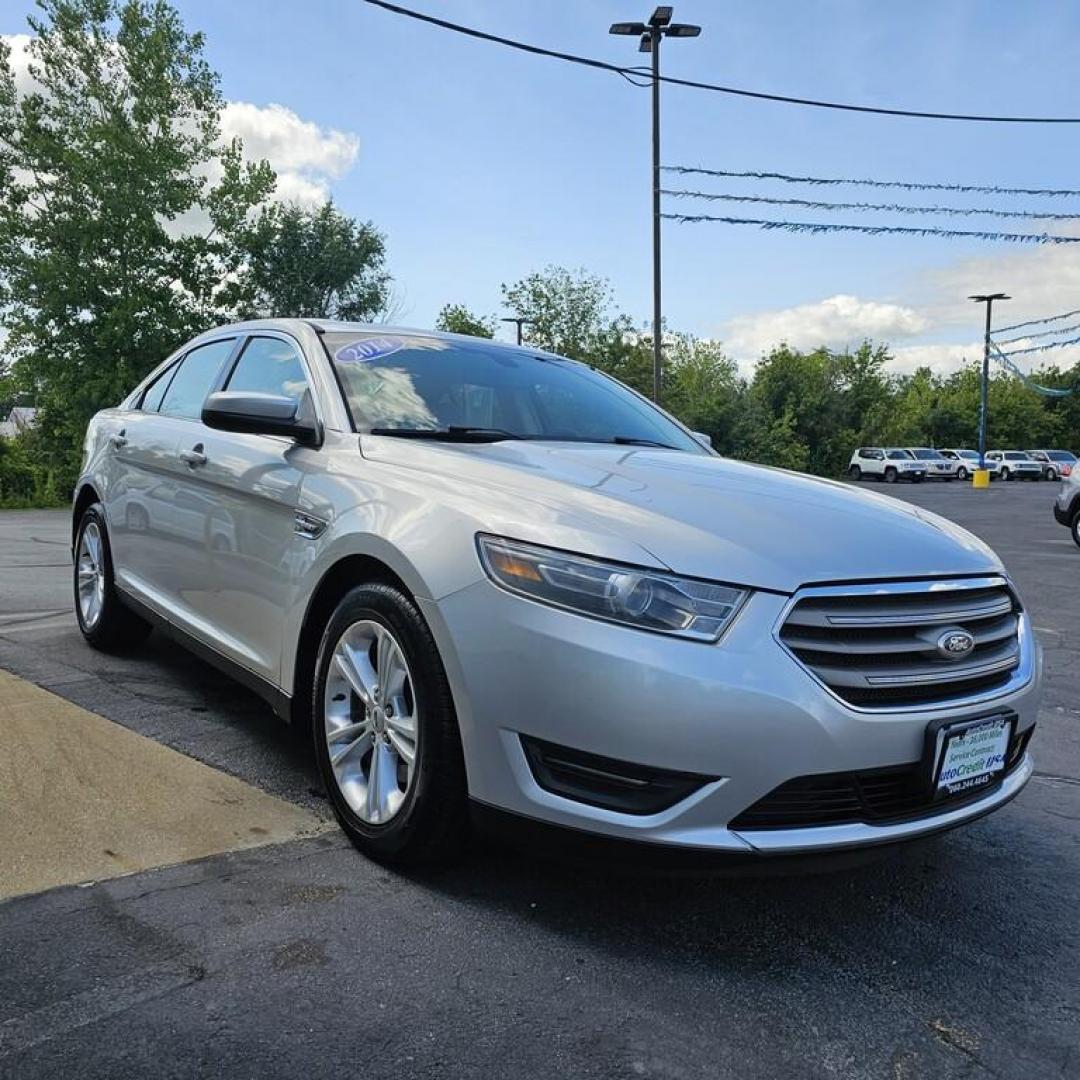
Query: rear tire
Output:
(105,622)
(1074,528)
(855,473)
(890,475)
(426,822)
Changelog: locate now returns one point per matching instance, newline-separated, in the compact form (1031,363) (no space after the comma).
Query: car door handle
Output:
(118,440)
(194,457)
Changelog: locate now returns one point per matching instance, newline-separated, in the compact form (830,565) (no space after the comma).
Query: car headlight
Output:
(647,599)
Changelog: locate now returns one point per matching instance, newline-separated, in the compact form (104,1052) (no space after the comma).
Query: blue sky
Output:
(482,164)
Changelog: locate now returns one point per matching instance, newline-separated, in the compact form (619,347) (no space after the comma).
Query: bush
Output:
(24,481)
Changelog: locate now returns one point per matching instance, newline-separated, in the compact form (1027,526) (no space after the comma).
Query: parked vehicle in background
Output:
(937,465)
(490,582)
(967,461)
(1067,504)
(1055,463)
(1016,464)
(885,463)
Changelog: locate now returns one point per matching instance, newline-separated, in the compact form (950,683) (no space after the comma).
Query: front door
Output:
(243,491)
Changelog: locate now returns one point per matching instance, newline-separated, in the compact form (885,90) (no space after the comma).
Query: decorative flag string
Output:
(1038,322)
(904,185)
(1034,337)
(875,230)
(1046,391)
(892,208)
(1041,348)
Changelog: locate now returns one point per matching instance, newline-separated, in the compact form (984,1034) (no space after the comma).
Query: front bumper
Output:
(743,713)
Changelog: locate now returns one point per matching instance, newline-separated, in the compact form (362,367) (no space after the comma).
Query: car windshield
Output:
(400,383)
(1061,455)
(971,455)
(898,455)
(926,455)
(1015,455)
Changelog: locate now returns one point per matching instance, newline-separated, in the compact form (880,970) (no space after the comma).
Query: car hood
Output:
(699,515)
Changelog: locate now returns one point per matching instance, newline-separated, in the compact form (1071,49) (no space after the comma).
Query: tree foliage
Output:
(107,163)
(311,263)
(458,319)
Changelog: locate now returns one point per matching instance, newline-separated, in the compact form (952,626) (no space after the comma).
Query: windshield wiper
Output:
(448,434)
(628,440)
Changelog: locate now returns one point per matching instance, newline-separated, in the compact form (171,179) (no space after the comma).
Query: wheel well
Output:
(87,497)
(335,583)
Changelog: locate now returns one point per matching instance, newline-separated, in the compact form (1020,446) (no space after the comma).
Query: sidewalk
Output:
(82,799)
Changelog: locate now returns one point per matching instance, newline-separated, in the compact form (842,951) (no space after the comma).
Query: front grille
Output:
(870,797)
(876,646)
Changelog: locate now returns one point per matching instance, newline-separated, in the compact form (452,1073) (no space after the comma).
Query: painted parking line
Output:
(82,799)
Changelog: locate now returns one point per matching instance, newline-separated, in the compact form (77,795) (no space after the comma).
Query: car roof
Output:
(336,326)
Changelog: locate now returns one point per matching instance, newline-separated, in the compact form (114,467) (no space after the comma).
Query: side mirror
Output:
(702,438)
(259,414)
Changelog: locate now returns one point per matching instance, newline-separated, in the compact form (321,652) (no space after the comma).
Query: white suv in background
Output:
(885,463)
(1015,464)
(937,465)
(967,461)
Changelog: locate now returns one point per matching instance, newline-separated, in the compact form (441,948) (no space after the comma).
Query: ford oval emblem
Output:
(955,644)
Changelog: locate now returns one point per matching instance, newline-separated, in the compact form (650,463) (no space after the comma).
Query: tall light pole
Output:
(984,395)
(651,34)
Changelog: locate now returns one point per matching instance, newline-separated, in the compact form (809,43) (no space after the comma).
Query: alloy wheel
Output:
(91,575)
(370,721)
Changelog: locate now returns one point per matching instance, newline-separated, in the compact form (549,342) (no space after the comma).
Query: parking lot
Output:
(293,956)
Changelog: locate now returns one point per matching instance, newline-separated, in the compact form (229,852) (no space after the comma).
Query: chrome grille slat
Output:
(876,645)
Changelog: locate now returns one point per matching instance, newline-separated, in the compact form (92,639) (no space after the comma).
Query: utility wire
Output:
(897,208)
(876,230)
(627,73)
(983,189)
(1038,322)
(1035,337)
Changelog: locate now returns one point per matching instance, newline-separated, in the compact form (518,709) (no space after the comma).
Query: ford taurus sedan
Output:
(493,584)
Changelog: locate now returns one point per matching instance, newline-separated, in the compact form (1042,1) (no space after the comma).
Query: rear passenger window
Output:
(269,366)
(192,382)
(151,399)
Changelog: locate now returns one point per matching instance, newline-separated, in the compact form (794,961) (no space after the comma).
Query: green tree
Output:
(311,263)
(106,165)
(458,319)
(568,312)
(702,387)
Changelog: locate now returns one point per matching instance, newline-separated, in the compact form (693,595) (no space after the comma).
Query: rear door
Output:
(150,523)
(236,568)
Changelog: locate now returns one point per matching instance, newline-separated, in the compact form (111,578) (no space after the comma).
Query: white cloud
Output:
(836,322)
(306,157)
(20,61)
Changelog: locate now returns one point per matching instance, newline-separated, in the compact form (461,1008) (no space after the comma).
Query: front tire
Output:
(1074,528)
(105,622)
(1005,474)
(1052,475)
(961,473)
(385,731)
(890,475)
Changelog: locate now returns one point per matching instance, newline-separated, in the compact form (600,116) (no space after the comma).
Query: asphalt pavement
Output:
(956,958)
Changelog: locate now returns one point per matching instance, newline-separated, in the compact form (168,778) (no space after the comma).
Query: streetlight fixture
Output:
(984,398)
(651,34)
(518,322)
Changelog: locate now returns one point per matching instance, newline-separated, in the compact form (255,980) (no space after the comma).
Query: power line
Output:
(1034,337)
(1038,322)
(897,208)
(876,230)
(630,74)
(983,189)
